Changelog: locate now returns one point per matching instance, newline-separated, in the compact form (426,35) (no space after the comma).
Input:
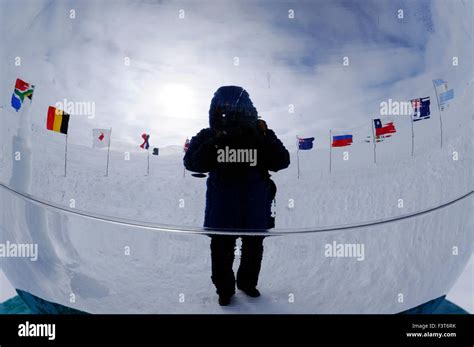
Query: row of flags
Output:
(58,121)
(421,111)
(383,130)
(101,138)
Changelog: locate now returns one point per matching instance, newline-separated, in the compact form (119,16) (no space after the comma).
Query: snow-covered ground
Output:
(461,293)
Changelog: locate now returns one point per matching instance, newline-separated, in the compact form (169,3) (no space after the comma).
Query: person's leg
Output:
(222,256)
(250,262)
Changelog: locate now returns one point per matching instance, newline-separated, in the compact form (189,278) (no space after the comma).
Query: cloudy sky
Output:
(176,64)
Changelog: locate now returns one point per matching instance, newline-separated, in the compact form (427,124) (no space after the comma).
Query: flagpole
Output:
(373,135)
(412,137)
(330,150)
(65,158)
(148,166)
(108,154)
(440,117)
(298,155)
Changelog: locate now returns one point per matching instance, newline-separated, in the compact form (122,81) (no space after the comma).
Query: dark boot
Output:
(222,256)
(224,300)
(252,292)
(250,264)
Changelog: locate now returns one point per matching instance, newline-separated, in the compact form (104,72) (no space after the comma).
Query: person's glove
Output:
(250,130)
(243,135)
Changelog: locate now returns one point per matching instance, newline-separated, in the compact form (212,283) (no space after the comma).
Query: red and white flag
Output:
(384,129)
(100,138)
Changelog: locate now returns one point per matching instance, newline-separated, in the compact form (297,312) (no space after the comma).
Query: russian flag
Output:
(341,140)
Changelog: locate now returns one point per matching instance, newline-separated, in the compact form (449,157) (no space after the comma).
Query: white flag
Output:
(100,138)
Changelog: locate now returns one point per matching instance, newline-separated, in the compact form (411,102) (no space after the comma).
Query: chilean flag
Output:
(341,140)
(384,129)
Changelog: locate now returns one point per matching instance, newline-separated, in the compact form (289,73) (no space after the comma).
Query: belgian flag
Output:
(58,120)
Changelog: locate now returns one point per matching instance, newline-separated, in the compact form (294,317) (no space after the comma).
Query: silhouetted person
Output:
(237,150)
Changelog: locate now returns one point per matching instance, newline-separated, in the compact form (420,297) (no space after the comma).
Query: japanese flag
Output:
(100,138)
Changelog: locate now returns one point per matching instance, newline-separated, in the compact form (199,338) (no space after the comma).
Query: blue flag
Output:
(305,143)
(421,107)
(439,82)
(446,96)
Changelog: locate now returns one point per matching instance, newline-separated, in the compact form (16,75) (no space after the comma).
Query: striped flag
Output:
(58,120)
(22,90)
(341,140)
(444,93)
(445,97)
(440,82)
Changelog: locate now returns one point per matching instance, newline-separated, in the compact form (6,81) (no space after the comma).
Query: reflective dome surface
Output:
(121,229)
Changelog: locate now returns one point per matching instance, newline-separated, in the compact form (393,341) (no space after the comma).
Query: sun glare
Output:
(176,100)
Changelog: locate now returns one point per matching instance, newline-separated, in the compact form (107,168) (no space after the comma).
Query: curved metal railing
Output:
(216,231)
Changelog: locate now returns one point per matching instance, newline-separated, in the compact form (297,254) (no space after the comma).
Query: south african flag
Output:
(22,90)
